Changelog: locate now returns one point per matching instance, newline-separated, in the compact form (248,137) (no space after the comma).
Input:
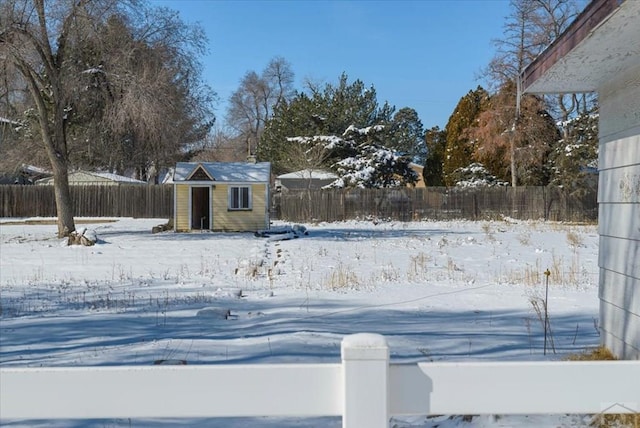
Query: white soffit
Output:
(608,50)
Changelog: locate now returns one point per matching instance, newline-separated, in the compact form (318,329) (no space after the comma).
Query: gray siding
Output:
(619,214)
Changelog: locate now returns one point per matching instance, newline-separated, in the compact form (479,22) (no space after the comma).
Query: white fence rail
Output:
(365,389)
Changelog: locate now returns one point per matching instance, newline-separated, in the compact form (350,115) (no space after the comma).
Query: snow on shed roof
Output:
(226,171)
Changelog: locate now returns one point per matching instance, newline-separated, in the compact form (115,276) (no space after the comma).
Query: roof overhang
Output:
(602,42)
(223,172)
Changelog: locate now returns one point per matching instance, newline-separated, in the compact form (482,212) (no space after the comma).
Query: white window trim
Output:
(230,199)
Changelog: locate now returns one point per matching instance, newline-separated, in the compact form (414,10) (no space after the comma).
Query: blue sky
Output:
(421,54)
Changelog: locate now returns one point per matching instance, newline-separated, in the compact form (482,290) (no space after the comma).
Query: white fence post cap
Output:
(365,346)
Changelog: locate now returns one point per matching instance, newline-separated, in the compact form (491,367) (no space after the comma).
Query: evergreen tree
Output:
(435,141)
(459,148)
(360,158)
(575,159)
(290,118)
(514,149)
(476,175)
(347,104)
(322,111)
(406,135)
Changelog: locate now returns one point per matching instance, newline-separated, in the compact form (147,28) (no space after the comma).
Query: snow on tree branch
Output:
(361,159)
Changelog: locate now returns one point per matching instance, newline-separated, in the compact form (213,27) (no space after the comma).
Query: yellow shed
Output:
(221,196)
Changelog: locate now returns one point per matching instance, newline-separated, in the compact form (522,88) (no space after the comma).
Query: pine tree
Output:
(360,159)
(476,175)
(290,118)
(406,135)
(459,148)
(327,110)
(371,164)
(435,141)
(575,158)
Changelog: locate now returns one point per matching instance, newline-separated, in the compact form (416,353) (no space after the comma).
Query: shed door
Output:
(200,208)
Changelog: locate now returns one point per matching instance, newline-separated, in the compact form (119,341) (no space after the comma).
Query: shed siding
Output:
(231,221)
(220,202)
(619,214)
(182,207)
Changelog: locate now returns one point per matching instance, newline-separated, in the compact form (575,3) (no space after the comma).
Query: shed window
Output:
(240,198)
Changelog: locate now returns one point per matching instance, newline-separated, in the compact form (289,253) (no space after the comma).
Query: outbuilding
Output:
(306,179)
(91,178)
(600,52)
(221,196)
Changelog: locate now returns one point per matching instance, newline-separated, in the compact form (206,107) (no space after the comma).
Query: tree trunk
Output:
(512,149)
(54,140)
(59,158)
(64,204)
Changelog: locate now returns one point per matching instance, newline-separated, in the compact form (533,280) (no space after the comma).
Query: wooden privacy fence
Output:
(365,390)
(150,201)
(441,203)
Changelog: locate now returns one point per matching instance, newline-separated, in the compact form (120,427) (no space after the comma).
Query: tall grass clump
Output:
(574,239)
(418,268)
(342,277)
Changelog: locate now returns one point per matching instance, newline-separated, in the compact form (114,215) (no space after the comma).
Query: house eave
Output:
(603,41)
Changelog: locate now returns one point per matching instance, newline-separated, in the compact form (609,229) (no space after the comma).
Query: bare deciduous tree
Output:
(252,104)
(154,106)
(102,70)
(532,26)
(36,39)
(220,146)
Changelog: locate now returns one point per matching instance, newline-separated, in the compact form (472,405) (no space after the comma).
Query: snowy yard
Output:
(438,291)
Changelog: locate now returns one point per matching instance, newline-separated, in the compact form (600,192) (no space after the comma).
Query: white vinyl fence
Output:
(364,389)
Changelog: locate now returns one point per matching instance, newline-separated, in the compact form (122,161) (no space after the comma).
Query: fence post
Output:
(365,365)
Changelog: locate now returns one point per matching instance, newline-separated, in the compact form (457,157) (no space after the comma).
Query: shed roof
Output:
(603,41)
(237,172)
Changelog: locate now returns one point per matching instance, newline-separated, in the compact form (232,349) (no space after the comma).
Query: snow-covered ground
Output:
(439,291)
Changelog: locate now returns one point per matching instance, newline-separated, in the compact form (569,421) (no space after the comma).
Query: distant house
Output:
(305,179)
(600,51)
(86,178)
(318,178)
(418,169)
(34,173)
(25,174)
(223,196)
(9,178)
